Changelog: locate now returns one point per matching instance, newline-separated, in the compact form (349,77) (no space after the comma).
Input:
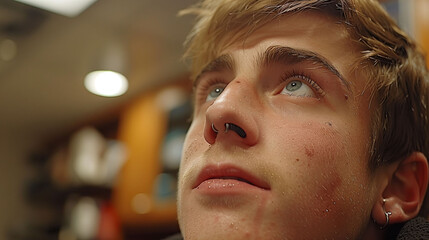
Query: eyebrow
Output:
(223,62)
(272,55)
(288,56)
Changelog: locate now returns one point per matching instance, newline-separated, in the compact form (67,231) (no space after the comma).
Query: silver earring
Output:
(214,129)
(387,214)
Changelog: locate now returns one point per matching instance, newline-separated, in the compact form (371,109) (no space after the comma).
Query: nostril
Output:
(235,128)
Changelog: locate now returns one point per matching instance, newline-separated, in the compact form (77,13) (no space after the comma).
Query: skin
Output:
(309,145)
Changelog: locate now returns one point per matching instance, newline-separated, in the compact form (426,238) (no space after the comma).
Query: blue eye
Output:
(294,86)
(213,94)
(298,88)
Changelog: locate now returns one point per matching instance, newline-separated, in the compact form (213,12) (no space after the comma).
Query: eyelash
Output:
(304,77)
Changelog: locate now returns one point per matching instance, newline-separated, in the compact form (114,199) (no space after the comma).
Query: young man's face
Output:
(301,170)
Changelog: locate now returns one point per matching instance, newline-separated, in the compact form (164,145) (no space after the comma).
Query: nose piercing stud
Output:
(232,127)
(227,127)
(235,128)
(214,129)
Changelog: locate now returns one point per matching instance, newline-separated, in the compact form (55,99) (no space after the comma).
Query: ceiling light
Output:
(68,8)
(106,83)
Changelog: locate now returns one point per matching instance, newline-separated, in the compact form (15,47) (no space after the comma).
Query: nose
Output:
(232,116)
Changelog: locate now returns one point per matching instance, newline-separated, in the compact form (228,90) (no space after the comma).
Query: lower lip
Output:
(226,187)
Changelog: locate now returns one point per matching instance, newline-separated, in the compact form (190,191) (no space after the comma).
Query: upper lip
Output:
(229,172)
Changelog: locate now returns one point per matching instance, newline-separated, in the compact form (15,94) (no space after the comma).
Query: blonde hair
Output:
(396,70)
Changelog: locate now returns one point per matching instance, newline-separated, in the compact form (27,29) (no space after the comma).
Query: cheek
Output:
(194,143)
(193,148)
(324,172)
(320,165)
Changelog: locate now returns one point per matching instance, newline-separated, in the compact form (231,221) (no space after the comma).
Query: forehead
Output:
(308,30)
(315,27)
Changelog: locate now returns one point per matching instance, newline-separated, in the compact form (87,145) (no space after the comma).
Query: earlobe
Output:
(403,196)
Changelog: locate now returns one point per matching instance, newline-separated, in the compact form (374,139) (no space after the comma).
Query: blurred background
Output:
(78,165)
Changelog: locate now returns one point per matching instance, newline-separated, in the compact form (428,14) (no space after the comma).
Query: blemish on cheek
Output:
(309,152)
(232,225)
(346,97)
(297,159)
(328,123)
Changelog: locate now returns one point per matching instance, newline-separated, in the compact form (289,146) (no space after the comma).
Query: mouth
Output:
(228,176)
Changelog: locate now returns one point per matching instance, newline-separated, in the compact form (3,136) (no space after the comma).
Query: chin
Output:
(226,221)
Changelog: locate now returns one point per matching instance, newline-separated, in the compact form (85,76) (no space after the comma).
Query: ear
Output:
(405,190)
